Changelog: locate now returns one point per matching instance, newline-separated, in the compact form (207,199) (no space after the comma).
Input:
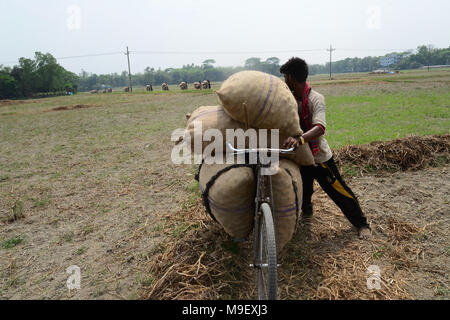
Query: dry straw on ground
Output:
(411,153)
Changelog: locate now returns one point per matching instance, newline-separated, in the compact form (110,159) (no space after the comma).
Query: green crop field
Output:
(363,118)
(84,178)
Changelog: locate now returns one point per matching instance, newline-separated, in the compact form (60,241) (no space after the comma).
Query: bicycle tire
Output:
(267,256)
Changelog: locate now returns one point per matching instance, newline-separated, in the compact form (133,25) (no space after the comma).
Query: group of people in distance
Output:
(205,84)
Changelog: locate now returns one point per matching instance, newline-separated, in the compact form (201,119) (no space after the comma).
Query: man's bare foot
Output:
(364,233)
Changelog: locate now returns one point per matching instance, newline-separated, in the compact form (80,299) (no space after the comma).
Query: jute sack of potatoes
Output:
(210,117)
(303,155)
(260,100)
(215,117)
(228,193)
(287,199)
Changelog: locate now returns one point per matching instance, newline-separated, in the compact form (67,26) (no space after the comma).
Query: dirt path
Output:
(410,213)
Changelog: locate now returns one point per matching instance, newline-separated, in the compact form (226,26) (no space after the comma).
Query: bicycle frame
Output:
(263,196)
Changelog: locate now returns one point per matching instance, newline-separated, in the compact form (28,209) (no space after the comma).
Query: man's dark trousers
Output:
(327,175)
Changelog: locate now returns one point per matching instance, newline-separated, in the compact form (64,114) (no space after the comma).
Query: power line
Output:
(74,57)
(91,55)
(173,52)
(249,52)
(402,50)
(208,52)
(223,52)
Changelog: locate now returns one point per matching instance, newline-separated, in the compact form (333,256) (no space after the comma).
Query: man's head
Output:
(295,72)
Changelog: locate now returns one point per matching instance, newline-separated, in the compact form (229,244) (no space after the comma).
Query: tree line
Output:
(190,73)
(405,60)
(41,76)
(44,76)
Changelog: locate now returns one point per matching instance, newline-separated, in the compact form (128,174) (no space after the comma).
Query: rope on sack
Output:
(197,175)
(294,185)
(205,193)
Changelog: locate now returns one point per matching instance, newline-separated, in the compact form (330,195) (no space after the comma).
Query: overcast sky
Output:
(227,31)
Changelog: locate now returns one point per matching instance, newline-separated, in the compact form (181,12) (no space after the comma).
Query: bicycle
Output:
(264,239)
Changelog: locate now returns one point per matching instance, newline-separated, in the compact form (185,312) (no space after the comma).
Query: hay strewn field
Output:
(87,180)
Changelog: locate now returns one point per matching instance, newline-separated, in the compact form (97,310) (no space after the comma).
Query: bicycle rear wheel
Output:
(266,256)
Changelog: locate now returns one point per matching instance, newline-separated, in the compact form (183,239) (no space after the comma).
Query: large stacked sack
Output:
(251,99)
(303,156)
(287,192)
(229,195)
(215,117)
(211,117)
(229,192)
(260,100)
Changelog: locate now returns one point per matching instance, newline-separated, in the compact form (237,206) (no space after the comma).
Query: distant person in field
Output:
(311,107)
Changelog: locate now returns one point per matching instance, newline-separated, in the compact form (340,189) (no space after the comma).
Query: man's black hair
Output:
(297,68)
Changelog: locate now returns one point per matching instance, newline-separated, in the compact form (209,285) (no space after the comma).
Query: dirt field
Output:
(410,215)
(86,184)
(87,180)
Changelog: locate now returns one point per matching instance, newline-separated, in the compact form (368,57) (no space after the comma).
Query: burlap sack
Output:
(215,117)
(211,117)
(229,192)
(260,100)
(303,155)
(287,195)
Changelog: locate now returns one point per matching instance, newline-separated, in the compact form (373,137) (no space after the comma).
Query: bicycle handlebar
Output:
(239,151)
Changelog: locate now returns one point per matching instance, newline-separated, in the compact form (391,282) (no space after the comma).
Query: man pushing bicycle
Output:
(311,107)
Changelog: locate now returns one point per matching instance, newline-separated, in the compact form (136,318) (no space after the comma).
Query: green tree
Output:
(8,87)
(208,63)
(271,65)
(49,74)
(253,64)
(25,76)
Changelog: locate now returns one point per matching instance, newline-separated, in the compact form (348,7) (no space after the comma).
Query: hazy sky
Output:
(227,31)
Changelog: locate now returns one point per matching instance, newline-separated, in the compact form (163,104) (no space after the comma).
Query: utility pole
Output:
(129,70)
(429,56)
(331,50)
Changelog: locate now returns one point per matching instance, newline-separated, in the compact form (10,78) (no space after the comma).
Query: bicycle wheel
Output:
(266,256)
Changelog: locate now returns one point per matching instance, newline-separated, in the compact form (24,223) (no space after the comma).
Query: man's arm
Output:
(314,133)
(310,135)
